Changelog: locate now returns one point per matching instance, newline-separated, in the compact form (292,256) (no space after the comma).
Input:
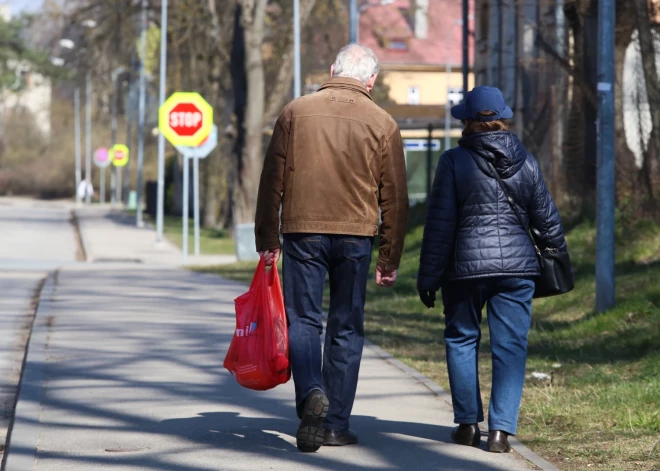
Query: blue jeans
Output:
(509,319)
(308,258)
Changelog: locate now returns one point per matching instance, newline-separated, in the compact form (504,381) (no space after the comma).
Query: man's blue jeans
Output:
(509,319)
(308,258)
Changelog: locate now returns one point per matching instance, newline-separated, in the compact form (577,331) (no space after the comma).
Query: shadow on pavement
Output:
(135,364)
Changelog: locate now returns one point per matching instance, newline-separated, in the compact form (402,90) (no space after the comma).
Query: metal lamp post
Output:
(450,30)
(141,105)
(160,210)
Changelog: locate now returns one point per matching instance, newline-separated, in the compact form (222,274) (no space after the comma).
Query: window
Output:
(413,95)
(454,95)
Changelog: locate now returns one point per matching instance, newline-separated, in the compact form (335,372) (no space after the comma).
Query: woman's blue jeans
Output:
(509,319)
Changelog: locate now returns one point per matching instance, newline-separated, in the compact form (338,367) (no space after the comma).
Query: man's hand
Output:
(386,278)
(271,256)
(427,297)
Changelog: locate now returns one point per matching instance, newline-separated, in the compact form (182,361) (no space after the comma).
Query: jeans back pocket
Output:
(302,247)
(357,248)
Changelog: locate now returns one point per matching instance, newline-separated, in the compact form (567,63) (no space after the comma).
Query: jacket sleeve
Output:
(271,187)
(543,214)
(393,200)
(440,228)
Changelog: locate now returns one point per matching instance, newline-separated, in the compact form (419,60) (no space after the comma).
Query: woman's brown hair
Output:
(474,127)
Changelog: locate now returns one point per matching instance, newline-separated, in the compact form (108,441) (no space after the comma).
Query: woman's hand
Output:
(427,297)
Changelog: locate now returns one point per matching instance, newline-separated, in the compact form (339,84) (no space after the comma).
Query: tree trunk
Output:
(280,93)
(247,185)
(626,168)
(647,47)
(589,182)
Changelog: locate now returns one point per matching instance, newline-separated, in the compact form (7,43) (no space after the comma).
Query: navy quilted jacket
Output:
(471,231)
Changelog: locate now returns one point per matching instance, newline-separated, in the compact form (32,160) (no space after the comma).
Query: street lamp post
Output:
(354,20)
(141,106)
(296,48)
(161,139)
(450,30)
(88,136)
(76,111)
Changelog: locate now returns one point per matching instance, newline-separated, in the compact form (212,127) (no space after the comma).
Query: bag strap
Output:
(510,200)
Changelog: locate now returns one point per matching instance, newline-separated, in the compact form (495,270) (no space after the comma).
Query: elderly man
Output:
(334,160)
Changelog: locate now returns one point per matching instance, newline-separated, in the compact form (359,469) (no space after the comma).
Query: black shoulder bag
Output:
(556,274)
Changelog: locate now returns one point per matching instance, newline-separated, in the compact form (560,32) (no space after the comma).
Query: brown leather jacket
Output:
(334,158)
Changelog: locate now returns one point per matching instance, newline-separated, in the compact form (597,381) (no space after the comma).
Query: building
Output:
(419,45)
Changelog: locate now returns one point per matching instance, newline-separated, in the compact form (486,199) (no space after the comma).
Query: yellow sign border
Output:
(164,119)
(123,148)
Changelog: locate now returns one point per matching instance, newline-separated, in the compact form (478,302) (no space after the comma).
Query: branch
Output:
(278,96)
(589,94)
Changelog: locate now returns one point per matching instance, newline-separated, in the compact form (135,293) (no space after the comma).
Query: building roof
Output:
(389,31)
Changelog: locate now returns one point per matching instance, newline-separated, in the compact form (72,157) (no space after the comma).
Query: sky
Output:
(22,5)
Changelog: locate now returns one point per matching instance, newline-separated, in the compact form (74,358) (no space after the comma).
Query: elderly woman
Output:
(477,252)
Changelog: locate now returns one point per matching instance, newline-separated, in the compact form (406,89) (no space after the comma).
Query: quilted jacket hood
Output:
(503,149)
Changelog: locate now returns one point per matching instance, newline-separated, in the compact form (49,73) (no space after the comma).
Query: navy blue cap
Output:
(482,99)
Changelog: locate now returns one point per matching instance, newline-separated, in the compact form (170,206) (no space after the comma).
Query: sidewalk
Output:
(16,310)
(124,372)
(111,236)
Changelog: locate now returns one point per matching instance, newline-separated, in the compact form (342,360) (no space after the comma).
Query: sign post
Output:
(186,120)
(186,204)
(102,160)
(195,153)
(120,156)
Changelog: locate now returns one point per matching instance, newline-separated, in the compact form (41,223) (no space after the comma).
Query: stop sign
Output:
(186,119)
(120,155)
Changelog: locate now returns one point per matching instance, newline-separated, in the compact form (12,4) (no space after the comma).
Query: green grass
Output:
(601,410)
(211,241)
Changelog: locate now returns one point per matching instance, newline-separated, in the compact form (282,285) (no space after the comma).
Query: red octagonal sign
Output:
(186,119)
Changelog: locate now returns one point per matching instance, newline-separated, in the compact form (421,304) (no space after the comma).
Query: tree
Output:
(649,54)
(250,157)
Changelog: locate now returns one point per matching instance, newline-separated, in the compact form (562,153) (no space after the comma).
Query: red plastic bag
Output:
(258,356)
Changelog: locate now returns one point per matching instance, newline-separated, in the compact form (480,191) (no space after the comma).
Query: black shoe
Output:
(310,435)
(340,438)
(467,434)
(498,442)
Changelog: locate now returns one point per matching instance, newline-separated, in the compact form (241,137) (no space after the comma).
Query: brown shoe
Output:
(498,442)
(467,434)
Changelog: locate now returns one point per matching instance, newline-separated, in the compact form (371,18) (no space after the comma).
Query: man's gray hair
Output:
(356,62)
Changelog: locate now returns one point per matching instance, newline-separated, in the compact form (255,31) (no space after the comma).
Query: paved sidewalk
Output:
(16,311)
(125,373)
(111,236)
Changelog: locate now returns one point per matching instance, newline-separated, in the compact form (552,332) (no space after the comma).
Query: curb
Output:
(75,222)
(439,391)
(23,437)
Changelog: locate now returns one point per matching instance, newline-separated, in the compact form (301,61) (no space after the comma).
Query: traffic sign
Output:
(204,149)
(120,155)
(102,157)
(185,119)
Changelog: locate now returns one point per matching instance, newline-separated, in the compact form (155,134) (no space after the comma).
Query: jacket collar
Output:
(346,84)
